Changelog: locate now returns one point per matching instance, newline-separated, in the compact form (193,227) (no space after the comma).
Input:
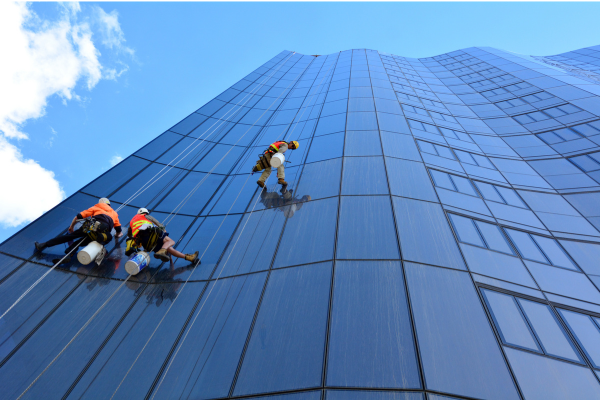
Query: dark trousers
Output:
(76,238)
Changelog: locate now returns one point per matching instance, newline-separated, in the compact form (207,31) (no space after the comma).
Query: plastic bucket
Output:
(137,263)
(89,253)
(277,160)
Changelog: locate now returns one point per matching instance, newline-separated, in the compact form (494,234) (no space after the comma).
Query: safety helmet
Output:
(104,200)
(143,211)
(296,145)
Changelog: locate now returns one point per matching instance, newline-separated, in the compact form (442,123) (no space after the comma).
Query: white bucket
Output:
(89,253)
(277,160)
(137,263)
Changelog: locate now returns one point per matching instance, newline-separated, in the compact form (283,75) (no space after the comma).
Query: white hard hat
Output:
(143,211)
(104,200)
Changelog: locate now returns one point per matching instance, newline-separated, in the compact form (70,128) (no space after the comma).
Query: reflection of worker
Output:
(265,162)
(167,286)
(145,230)
(286,202)
(99,222)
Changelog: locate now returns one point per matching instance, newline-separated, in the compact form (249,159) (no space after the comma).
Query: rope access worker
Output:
(265,162)
(99,221)
(145,230)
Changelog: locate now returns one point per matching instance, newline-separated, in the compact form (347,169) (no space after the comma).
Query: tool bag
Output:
(263,162)
(96,230)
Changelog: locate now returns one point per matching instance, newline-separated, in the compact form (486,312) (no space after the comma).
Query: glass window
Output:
(493,237)
(526,246)
(510,197)
(400,146)
(371,395)
(424,233)
(326,147)
(362,143)
(296,247)
(286,348)
(110,181)
(361,121)
(192,193)
(546,327)
(364,175)
(466,231)
(315,173)
(356,237)
(331,124)
(586,255)
(371,342)
(464,185)
(361,104)
(158,146)
(555,254)
(442,180)
(233,196)
(537,377)
(207,360)
(409,179)
(509,320)
(586,332)
(459,352)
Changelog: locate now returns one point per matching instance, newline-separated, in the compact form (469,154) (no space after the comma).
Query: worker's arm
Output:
(155,221)
(73,223)
(283,147)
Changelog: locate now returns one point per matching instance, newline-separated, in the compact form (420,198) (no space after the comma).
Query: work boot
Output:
(281,182)
(192,257)
(261,184)
(162,255)
(40,246)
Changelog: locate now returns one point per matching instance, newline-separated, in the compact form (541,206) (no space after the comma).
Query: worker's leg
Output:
(265,175)
(77,235)
(167,248)
(281,172)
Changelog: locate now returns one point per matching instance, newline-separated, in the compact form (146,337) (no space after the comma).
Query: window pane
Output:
(509,320)
(494,239)
(314,174)
(296,247)
(464,185)
(362,143)
(442,180)
(400,146)
(371,395)
(510,196)
(326,147)
(546,327)
(106,184)
(466,231)
(459,352)
(409,179)
(371,342)
(424,233)
(526,246)
(366,228)
(552,250)
(489,192)
(286,348)
(364,175)
(586,332)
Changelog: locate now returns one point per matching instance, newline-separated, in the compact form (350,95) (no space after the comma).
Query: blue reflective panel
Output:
(371,395)
(551,335)
(538,377)
(442,179)
(555,254)
(287,344)
(158,146)
(362,143)
(191,194)
(361,121)
(189,123)
(489,192)
(526,246)
(205,362)
(400,146)
(511,197)
(221,159)
(464,185)
(510,322)
(459,352)
(33,308)
(371,342)
(466,231)
(586,332)
(107,372)
(313,176)
(586,255)
(115,177)
(309,236)
(326,147)
(364,175)
(311,395)
(361,104)
(424,234)
(493,237)
(331,124)
(234,195)
(209,236)
(359,236)
(61,326)
(409,179)
(8,265)
(253,245)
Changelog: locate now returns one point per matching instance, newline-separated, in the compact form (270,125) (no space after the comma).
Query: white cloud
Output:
(115,160)
(41,59)
(28,189)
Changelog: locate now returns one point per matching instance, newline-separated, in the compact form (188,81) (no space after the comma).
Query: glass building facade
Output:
(439,239)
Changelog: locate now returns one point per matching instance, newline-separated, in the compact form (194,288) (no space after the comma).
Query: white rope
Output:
(73,339)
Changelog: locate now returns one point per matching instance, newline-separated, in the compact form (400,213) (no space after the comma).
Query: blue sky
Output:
(158,62)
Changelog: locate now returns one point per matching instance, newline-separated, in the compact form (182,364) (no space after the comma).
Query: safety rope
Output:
(190,275)
(223,268)
(103,305)
(133,197)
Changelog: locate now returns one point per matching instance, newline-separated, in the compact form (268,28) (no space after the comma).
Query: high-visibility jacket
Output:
(279,146)
(137,222)
(105,209)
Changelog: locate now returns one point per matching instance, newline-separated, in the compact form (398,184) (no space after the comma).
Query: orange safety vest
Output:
(137,222)
(275,146)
